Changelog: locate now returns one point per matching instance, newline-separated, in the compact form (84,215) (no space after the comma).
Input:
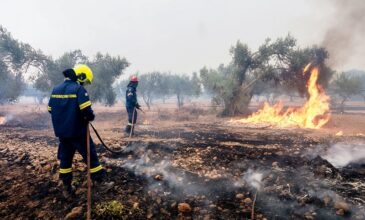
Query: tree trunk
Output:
(238,104)
(241,95)
(342,105)
(180,100)
(145,99)
(40,99)
(149,104)
(149,100)
(291,98)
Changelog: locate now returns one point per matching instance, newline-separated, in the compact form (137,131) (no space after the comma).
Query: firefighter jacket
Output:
(131,96)
(70,109)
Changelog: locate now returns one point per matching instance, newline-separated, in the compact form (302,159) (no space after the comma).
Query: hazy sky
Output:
(165,35)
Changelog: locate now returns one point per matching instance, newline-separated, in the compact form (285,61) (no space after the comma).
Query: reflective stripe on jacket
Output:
(66,104)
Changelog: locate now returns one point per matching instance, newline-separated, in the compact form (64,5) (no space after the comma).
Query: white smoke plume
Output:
(146,166)
(342,154)
(254,179)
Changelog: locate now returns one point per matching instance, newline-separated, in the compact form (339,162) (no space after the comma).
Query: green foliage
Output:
(183,86)
(219,83)
(105,68)
(15,59)
(293,79)
(157,85)
(345,86)
(10,86)
(51,72)
(196,85)
(277,64)
(111,209)
(150,86)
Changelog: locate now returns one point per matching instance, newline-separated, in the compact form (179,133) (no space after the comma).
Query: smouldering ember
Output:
(2,120)
(313,114)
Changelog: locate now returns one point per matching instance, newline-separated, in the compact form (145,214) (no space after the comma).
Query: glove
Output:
(138,106)
(88,114)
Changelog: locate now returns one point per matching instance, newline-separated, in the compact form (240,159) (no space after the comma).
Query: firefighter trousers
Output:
(66,152)
(130,111)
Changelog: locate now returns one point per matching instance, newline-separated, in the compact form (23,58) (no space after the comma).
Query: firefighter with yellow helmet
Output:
(71,111)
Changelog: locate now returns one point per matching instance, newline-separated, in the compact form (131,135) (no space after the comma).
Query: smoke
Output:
(26,119)
(5,119)
(342,154)
(147,165)
(344,38)
(254,179)
(163,171)
(281,192)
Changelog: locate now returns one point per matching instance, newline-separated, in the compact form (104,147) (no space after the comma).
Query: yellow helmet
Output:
(83,73)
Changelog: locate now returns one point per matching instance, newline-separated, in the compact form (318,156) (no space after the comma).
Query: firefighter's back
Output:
(66,115)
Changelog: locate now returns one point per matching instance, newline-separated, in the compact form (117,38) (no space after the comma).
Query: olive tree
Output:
(150,87)
(106,70)
(279,63)
(345,86)
(16,58)
(183,86)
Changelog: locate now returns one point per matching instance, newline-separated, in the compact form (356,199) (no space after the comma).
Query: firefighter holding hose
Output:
(132,104)
(71,111)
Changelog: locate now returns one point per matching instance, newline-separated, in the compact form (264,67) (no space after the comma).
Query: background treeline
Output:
(274,69)
(157,85)
(18,59)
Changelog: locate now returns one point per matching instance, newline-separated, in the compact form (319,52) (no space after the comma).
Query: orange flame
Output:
(313,114)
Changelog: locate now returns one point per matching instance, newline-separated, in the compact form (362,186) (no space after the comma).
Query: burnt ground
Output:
(217,169)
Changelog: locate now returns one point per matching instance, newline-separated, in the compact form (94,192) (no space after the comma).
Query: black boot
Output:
(128,129)
(68,191)
(99,181)
(99,176)
(132,131)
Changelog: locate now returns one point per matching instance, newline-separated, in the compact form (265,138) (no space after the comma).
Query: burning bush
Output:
(313,114)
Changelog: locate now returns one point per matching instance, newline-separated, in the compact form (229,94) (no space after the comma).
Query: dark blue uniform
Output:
(131,102)
(71,111)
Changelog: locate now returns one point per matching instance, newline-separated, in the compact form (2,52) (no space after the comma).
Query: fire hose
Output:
(102,142)
(119,153)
